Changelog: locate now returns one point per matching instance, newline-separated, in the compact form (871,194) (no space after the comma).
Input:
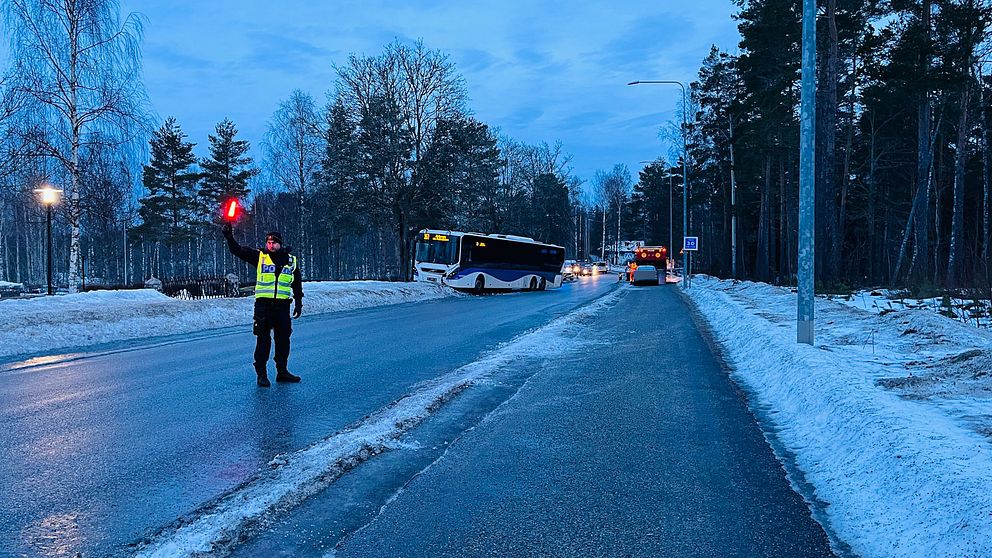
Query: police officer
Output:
(278,282)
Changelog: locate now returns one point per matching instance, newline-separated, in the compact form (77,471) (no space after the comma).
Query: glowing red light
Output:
(231,214)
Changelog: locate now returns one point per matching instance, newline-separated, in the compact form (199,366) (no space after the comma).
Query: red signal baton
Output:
(231,214)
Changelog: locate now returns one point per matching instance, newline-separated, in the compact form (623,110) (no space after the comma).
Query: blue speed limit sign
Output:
(691,243)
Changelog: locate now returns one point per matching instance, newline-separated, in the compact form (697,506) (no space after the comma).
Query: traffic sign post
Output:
(690,244)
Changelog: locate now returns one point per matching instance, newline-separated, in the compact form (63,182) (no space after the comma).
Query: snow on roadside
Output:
(972,311)
(45,324)
(293,477)
(903,467)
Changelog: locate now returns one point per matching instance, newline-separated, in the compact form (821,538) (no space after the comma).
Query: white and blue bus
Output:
(487,262)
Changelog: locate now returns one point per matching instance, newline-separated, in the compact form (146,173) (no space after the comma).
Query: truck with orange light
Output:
(652,261)
(487,262)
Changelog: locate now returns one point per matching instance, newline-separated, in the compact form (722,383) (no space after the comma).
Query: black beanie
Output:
(274,235)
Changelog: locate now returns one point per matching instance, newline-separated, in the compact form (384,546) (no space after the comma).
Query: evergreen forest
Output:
(903,103)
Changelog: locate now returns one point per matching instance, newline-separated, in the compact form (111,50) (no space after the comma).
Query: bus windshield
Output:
(440,249)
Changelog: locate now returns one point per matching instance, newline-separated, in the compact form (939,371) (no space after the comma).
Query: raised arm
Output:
(249,255)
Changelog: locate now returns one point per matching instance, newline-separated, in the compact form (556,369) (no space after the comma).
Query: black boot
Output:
(262,376)
(283,376)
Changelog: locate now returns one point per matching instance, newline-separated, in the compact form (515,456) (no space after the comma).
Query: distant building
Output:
(624,252)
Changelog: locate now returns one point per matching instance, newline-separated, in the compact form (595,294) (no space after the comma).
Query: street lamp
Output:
(685,172)
(49,197)
(671,201)
(807,182)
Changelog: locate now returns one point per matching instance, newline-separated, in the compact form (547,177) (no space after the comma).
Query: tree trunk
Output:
(920,266)
(846,178)
(876,247)
(985,170)
(827,262)
(956,251)
(761,258)
(775,241)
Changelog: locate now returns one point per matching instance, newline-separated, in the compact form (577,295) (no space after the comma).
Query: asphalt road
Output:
(637,444)
(102,450)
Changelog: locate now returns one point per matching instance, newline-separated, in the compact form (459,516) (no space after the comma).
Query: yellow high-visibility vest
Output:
(266,285)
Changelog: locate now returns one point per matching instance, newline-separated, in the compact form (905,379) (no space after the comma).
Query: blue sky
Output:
(539,71)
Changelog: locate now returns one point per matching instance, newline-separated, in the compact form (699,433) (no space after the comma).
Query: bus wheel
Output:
(544,284)
(480,284)
(533,283)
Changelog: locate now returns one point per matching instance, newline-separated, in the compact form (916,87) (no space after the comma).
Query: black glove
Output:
(297,309)
(228,229)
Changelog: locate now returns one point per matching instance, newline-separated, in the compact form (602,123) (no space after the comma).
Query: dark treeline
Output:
(902,179)
(395,149)
(902,168)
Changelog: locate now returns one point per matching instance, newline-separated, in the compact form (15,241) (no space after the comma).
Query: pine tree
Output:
(552,210)
(227,171)
(385,194)
(768,141)
(334,199)
(650,209)
(719,92)
(169,207)
(459,176)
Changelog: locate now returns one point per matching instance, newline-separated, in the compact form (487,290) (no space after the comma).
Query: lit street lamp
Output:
(49,197)
(685,174)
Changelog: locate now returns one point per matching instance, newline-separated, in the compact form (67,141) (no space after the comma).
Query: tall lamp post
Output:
(807,184)
(685,171)
(49,197)
(671,245)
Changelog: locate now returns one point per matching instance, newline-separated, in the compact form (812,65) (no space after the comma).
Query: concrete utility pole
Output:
(807,133)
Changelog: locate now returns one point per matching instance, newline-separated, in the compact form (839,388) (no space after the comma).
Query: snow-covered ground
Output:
(889,415)
(52,323)
(973,311)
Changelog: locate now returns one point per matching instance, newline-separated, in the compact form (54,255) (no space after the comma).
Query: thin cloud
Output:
(644,40)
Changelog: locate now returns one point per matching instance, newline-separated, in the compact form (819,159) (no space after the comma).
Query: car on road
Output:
(645,275)
(586,269)
(570,270)
(600,267)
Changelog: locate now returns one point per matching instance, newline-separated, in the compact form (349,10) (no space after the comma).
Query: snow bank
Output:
(903,473)
(45,324)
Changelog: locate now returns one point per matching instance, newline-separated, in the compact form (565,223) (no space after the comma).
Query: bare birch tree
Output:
(293,148)
(424,87)
(613,189)
(76,65)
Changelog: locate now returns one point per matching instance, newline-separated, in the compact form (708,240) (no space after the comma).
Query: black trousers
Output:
(272,320)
